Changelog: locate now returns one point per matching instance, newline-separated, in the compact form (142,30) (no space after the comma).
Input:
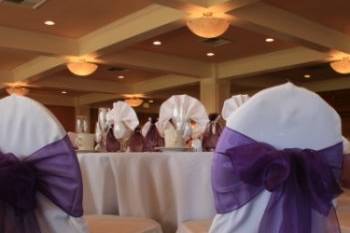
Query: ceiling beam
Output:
(287,58)
(141,25)
(197,7)
(82,84)
(156,84)
(41,43)
(53,99)
(329,84)
(6,76)
(95,98)
(290,25)
(158,62)
(163,82)
(35,67)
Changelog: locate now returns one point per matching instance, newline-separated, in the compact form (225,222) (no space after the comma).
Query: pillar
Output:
(213,93)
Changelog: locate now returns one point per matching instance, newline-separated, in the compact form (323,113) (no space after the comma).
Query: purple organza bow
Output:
(303,183)
(53,171)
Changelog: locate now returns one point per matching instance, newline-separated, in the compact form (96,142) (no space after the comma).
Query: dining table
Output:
(169,187)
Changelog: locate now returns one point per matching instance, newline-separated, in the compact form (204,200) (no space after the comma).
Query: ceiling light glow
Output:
(49,23)
(157,43)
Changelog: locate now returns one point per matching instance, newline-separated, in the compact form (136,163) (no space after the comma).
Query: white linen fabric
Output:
(124,119)
(169,187)
(284,116)
(232,104)
(25,127)
(181,109)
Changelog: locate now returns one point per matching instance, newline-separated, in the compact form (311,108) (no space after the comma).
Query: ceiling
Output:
(184,43)
(317,72)
(74,18)
(11,58)
(180,64)
(333,14)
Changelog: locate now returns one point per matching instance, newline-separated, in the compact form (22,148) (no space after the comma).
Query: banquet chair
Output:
(277,165)
(46,161)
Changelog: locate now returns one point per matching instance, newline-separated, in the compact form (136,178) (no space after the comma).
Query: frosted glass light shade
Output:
(342,66)
(22,91)
(134,102)
(208,26)
(82,68)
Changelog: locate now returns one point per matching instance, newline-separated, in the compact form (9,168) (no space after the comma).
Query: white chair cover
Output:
(25,127)
(285,116)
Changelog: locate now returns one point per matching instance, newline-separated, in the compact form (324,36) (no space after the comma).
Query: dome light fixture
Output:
(17,90)
(82,68)
(208,25)
(134,101)
(341,66)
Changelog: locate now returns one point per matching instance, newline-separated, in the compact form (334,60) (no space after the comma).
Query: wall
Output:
(66,115)
(340,101)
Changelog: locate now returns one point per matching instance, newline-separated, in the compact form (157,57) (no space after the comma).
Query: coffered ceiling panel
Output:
(11,58)
(237,43)
(74,18)
(334,14)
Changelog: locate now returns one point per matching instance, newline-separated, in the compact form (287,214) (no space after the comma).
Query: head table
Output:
(169,187)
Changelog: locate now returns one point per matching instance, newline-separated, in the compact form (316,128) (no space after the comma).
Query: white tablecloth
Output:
(168,187)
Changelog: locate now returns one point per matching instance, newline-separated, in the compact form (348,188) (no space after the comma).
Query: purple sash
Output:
(302,183)
(53,171)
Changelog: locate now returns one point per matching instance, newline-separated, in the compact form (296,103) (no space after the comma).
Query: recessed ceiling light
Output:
(151,101)
(49,23)
(210,54)
(121,76)
(307,75)
(64,92)
(269,40)
(157,43)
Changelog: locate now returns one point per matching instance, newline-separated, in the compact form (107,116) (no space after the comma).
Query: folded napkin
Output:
(232,104)
(102,128)
(123,118)
(181,111)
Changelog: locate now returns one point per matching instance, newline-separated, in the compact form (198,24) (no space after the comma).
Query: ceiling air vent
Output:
(117,69)
(216,42)
(34,4)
